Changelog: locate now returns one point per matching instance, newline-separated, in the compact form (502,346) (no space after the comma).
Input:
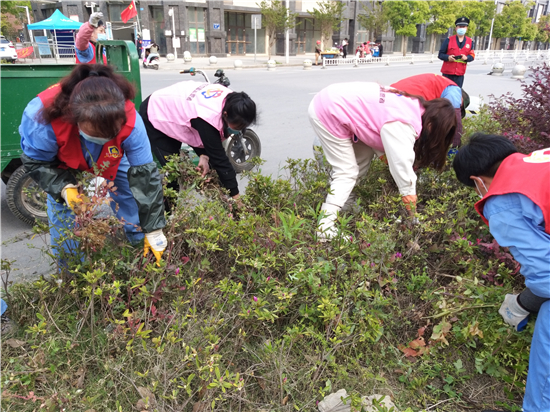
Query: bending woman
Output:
(89,119)
(201,115)
(357,121)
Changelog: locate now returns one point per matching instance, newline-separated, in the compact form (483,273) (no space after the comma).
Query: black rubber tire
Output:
(156,66)
(25,198)
(236,155)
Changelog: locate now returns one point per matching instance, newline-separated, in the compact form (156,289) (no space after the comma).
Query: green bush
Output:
(248,311)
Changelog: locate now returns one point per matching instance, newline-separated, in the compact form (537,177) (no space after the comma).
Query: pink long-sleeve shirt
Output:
(359,110)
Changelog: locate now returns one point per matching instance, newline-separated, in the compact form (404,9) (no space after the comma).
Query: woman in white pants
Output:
(357,121)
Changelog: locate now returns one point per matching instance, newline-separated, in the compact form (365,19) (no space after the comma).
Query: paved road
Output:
(282,97)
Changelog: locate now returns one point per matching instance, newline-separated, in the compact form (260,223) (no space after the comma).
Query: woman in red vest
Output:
(433,86)
(87,36)
(456,52)
(87,122)
(515,203)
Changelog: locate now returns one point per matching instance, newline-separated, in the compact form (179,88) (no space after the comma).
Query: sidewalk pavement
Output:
(203,63)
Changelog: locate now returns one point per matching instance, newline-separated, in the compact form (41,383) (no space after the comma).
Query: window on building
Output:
(159,25)
(249,36)
(115,10)
(307,35)
(196,33)
(236,42)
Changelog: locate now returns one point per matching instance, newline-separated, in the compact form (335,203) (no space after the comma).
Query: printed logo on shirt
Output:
(539,156)
(112,151)
(212,93)
(467,46)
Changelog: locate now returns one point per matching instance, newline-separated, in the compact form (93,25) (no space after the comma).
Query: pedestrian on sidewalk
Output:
(515,204)
(357,121)
(456,52)
(345,48)
(317,52)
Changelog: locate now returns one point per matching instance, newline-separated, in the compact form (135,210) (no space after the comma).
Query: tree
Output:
(404,16)
(9,8)
(275,18)
(374,20)
(512,21)
(543,34)
(328,14)
(480,15)
(442,15)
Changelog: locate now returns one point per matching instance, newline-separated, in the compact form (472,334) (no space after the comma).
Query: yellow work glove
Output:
(156,242)
(71,196)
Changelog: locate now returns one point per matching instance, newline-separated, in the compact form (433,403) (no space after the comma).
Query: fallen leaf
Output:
(285,400)
(81,373)
(407,351)
(14,343)
(261,382)
(417,343)
(474,330)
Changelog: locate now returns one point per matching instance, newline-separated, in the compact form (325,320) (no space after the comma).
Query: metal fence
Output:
(507,57)
(45,51)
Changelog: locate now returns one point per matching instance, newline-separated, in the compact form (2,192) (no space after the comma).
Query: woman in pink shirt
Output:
(357,121)
(201,115)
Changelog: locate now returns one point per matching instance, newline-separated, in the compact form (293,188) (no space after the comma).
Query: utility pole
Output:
(287,34)
(28,22)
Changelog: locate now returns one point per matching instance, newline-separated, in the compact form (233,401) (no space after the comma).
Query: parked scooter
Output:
(151,57)
(241,147)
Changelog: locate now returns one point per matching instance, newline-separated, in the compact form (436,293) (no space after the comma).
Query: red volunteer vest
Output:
(70,150)
(528,175)
(458,69)
(94,60)
(429,86)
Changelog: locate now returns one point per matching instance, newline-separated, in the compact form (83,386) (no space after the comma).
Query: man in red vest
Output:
(87,36)
(456,52)
(515,203)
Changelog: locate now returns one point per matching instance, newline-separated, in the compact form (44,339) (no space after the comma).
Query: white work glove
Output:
(512,313)
(95,18)
(156,242)
(326,228)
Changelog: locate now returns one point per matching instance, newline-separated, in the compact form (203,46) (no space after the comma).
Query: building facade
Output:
(222,27)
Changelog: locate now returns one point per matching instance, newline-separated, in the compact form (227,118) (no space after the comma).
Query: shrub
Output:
(249,311)
(528,115)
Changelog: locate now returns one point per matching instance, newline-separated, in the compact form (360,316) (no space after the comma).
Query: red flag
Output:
(129,12)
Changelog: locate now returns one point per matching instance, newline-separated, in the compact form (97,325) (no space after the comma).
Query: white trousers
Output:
(350,161)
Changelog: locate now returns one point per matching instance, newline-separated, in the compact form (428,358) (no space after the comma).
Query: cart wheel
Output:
(25,198)
(236,153)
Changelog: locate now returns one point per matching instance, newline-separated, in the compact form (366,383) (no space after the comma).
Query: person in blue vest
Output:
(456,52)
(87,120)
(515,204)
(87,36)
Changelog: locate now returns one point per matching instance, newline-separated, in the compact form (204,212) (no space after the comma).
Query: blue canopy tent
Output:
(58,22)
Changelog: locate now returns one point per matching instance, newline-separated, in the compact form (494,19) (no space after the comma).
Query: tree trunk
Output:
(404,45)
(497,41)
(432,47)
